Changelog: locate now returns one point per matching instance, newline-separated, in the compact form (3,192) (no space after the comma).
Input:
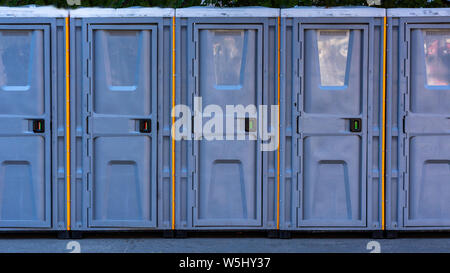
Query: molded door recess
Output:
(427,127)
(332,145)
(228,177)
(24,100)
(121,125)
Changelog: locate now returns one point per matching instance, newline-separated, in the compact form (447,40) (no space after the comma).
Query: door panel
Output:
(332,152)
(228,185)
(427,126)
(122,189)
(122,126)
(332,174)
(24,106)
(429,191)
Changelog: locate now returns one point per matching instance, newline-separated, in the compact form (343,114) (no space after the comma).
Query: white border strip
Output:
(32,11)
(122,12)
(227,12)
(50,11)
(333,12)
(423,12)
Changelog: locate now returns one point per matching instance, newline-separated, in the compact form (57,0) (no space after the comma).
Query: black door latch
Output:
(38,126)
(355,125)
(145,126)
(250,125)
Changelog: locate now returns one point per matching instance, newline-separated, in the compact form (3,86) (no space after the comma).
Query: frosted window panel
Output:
(437,57)
(228,47)
(15,48)
(333,51)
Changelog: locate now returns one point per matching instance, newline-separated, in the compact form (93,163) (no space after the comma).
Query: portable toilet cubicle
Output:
(418,114)
(121,90)
(32,119)
(226,58)
(331,116)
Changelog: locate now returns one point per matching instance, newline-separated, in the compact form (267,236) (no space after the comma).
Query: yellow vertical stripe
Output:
(67,123)
(383,134)
(173,122)
(278,150)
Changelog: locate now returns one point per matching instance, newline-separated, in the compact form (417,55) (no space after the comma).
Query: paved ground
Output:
(226,244)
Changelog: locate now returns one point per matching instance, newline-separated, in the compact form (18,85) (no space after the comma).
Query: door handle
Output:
(355,125)
(38,126)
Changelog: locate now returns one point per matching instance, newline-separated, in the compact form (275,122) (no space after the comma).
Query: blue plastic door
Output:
(25,136)
(427,126)
(121,125)
(227,180)
(332,125)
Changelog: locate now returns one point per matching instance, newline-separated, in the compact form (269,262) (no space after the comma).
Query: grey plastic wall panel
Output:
(331,176)
(418,135)
(121,135)
(225,184)
(33,178)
